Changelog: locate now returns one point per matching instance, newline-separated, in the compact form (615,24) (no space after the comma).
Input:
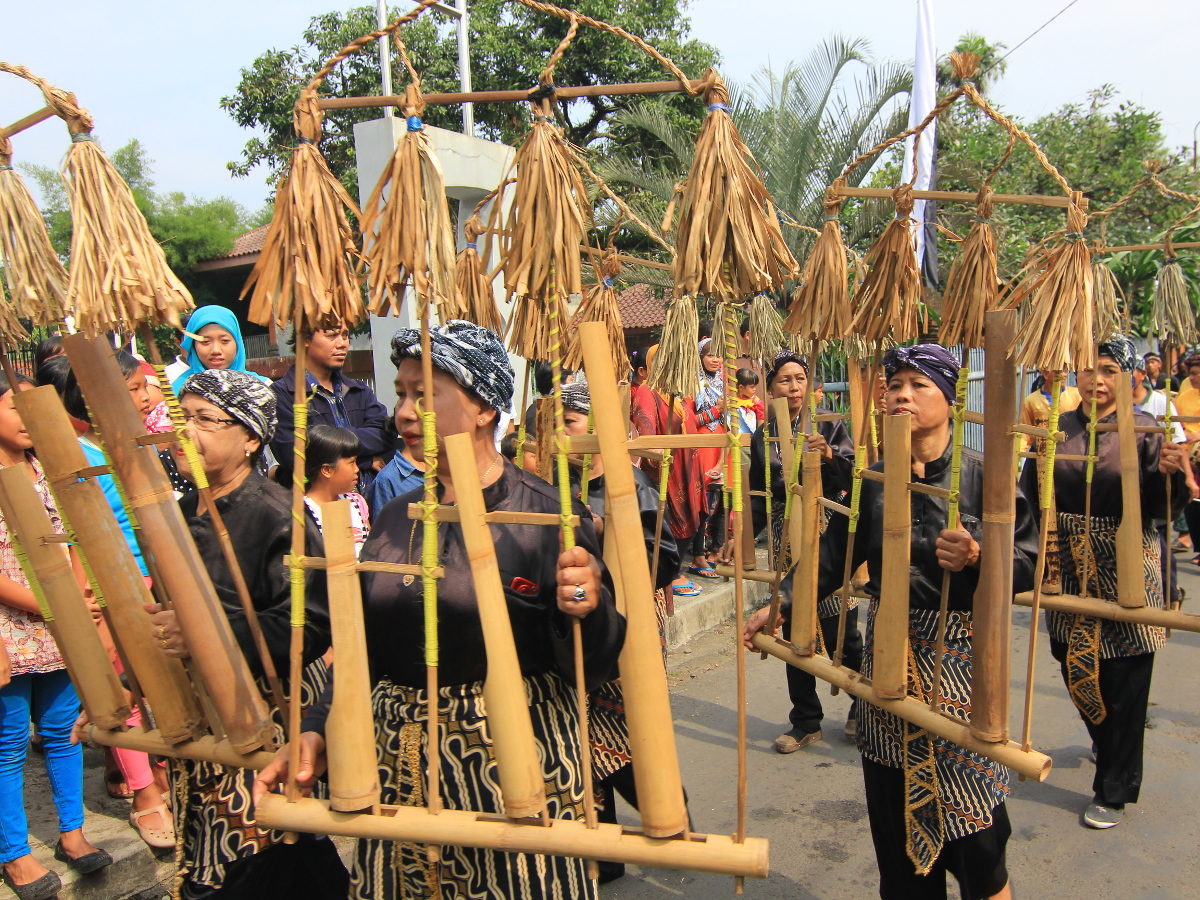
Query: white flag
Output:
(924,98)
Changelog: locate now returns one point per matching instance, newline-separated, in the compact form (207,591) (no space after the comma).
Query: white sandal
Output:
(162,837)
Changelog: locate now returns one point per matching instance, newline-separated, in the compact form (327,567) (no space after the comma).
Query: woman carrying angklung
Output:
(544,588)
(1107,665)
(962,827)
(787,378)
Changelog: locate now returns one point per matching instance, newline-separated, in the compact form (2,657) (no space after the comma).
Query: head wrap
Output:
(201,317)
(240,394)
(782,358)
(576,395)
(1146,357)
(704,342)
(933,361)
(1120,349)
(468,353)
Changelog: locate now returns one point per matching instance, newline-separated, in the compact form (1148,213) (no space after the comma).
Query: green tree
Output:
(510,45)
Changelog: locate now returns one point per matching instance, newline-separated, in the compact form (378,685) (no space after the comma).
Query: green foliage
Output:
(510,45)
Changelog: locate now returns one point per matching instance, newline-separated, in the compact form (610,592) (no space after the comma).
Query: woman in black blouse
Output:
(472,384)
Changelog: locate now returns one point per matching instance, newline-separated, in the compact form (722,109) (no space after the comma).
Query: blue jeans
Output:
(50,700)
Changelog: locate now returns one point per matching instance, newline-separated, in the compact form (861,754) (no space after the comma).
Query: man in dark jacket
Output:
(333,399)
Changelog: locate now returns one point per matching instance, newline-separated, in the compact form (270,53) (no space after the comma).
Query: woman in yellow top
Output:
(1035,409)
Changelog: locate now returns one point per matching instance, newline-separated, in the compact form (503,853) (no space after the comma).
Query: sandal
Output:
(86,864)
(162,837)
(114,782)
(691,589)
(45,887)
(704,572)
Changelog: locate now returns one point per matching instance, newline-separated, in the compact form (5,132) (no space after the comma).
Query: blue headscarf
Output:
(210,315)
(933,361)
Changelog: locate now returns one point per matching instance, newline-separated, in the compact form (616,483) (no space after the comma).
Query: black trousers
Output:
(310,868)
(1125,688)
(1168,562)
(977,861)
(806,714)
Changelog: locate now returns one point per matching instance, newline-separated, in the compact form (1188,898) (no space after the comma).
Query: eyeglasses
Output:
(205,422)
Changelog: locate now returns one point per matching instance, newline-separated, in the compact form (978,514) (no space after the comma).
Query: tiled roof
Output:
(247,243)
(640,308)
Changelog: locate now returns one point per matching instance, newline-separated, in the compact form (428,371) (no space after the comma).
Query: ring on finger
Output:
(162,632)
(580,594)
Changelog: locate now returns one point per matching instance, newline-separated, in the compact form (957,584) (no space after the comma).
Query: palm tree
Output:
(992,64)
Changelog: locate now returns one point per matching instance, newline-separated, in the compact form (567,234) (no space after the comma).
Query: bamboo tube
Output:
(1131,583)
(991,642)
(1027,763)
(746,532)
(715,853)
(295,570)
(806,531)
(647,704)
(1174,619)
(522,781)
(790,461)
(169,548)
(206,747)
(350,731)
(48,570)
(891,618)
(82,502)
(854,382)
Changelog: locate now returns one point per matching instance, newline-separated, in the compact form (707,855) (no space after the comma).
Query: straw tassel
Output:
(821,307)
(472,287)
(1174,317)
(766,330)
(309,255)
(601,306)
(1057,334)
(1107,293)
(890,295)
(674,370)
(408,236)
(973,285)
(37,281)
(728,241)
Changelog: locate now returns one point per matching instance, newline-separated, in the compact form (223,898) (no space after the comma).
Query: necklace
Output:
(483,478)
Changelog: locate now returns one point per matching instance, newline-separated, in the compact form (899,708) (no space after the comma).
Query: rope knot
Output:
(415,123)
(81,137)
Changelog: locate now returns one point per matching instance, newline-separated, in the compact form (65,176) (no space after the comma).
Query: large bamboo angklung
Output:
(169,548)
(48,569)
(806,537)
(350,729)
(890,674)
(1131,581)
(643,675)
(522,783)
(81,499)
(991,642)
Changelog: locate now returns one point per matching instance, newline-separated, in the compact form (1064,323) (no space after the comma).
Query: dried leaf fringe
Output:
(1057,282)
(890,296)
(674,369)
(721,336)
(472,287)
(601,305)
(767,336)
(728,242)
(821,307)
(1174,317)
(1107,293)
(36,279)
(973,285)
(308,259)
(545,226)
(407,236)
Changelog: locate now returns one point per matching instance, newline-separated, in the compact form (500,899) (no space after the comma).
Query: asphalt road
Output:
(810,804)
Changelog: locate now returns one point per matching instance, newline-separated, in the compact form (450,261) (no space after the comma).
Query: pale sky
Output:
(156,71)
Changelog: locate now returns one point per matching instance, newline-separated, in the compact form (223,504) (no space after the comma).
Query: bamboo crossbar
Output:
(714,853)
(1107,609)
(959,196)
(586,441)
(830,417)
(517,96)
(496,517)
(1137,429)
(1037,431)
(836,507)
(367,565)
(29,121)
(206,748)
(1069,457)
(1029,763)
(977,418)
(1182,245)
(916,487)
(589,443)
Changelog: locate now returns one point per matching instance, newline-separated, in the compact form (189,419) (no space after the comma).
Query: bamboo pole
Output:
(960,196)
(522,782)
(48,570)
(47,112)
(891,617)
(206,748)
(807,535)
(1131,583)
(1105,609)
(350,729)
(296,570)
(518,96)
(643,675)
(789,460)
(991,641)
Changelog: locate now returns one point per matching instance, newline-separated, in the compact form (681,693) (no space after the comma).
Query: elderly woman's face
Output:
(1100,383)
(791,382)
(457,410)
(913,392)
(225,445)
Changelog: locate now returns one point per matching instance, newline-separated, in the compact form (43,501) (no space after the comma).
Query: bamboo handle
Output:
(1131,583)
(891,618)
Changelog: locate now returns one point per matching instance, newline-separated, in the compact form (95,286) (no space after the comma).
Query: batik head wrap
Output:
(782,358)
(576,396)
(468,353)
(1120,349)
(240,394)
(933,361)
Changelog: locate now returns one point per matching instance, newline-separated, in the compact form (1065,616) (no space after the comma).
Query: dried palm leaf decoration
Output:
(1106,291)
(890,297)
(601,305)
(118,277)
(821,307)
(674,371)
(472,286)
(767,336)
(973,285)
(1174,316)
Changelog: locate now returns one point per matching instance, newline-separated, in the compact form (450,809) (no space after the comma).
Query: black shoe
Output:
(610,871)
(46,886)
(86,864)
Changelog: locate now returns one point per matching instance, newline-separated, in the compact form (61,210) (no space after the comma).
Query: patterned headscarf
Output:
(240,394)
(468,353)
(932,360)
(576,396)
(782,358)
(710,385)
(1120,349)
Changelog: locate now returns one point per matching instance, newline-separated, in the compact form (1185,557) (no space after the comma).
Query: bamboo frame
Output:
(1131,583)
(806,532)
(1174,619)
(517,96)
(46,112)
(206,748)
(891,617)
(960,197)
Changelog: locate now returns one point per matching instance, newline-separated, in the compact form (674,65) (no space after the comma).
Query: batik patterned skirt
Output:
(826,606)
(387,870)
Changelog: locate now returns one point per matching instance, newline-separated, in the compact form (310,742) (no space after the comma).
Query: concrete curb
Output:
(694,615)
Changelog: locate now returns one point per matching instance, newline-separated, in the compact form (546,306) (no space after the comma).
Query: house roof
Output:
(640,308)
(246,247)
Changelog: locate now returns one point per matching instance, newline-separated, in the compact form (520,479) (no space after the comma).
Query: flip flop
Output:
(114,782)
(704,571)
(685,590)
